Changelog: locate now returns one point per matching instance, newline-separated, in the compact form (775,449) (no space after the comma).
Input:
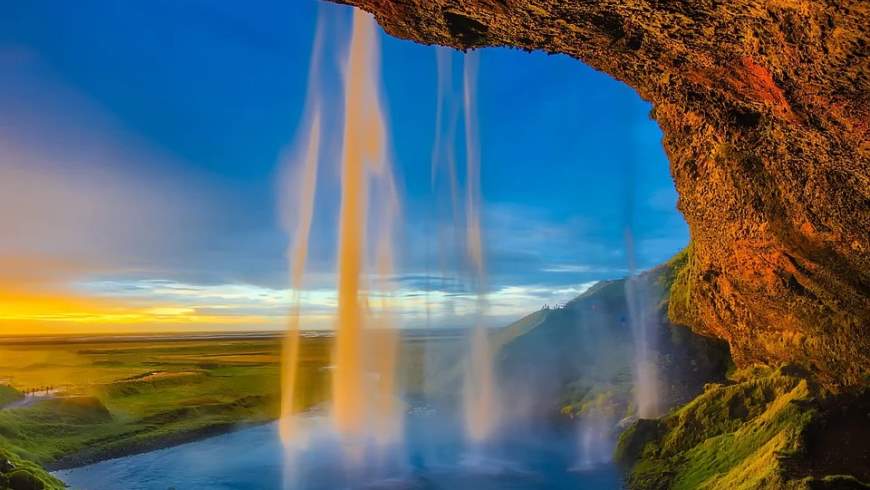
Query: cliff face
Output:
(765,109)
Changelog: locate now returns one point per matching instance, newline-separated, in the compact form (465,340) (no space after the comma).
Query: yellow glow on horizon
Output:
(28,312)
(171,311)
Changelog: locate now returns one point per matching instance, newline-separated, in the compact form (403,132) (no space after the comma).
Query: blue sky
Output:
(141,143)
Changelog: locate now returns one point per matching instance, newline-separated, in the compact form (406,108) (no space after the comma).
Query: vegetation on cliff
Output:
(19,474)
(759,428)
(765,429)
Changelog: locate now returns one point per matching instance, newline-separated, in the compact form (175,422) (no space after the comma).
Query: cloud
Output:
(28,312)
(157,305)
(584,269)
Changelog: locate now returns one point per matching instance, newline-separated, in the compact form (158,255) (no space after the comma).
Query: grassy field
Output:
(88,400)
(119,397)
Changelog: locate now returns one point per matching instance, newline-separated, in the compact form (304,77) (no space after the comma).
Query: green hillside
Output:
(583,351)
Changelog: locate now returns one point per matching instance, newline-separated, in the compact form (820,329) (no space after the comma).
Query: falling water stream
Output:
(480,398)
(298,252)
(364,394)
(359,142)
(480,407)
(641,320)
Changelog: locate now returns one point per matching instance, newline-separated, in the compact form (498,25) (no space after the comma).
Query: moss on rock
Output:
(680,287)
(19,474)
(753,433)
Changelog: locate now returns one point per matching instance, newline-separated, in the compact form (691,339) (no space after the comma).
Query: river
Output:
(431,457)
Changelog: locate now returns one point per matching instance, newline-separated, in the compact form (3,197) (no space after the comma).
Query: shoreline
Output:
(87,458)
(411,333)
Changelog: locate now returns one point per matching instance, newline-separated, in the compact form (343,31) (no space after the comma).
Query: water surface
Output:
(432,456)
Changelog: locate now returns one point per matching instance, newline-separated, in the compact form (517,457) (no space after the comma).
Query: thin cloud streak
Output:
(154,304)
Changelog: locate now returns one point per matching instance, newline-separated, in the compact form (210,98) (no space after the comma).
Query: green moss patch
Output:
(678,282)
(19,474)
(752,433)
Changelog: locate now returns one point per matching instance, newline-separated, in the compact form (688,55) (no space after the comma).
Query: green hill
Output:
(584,351)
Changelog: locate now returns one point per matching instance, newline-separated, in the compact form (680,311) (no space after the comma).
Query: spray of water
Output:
(480,397)
(595,434)
(364,386)
(643,324)
(364,403)
(384,339)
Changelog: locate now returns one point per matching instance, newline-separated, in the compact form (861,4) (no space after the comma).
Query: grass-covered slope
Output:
(19,474)
(766,429)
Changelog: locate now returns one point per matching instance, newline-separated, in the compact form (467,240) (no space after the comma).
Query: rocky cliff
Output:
(765,109)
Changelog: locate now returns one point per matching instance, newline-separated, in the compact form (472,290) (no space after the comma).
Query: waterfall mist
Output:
(643,327)
(638,294)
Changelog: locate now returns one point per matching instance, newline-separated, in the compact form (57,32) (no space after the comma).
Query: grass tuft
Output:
(19,474)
